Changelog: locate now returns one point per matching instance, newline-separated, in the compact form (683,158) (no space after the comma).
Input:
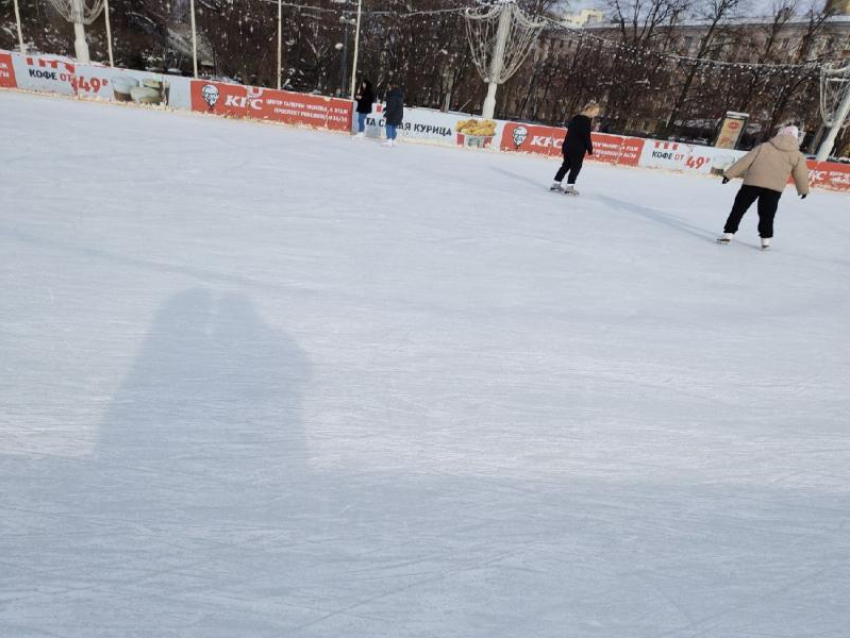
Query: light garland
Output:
(642,51)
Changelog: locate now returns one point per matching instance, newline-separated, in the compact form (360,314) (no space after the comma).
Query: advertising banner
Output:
(436,127)
(44,73)
(831,175)
(301,109)
(235,100)
(140,87)
(616,149)
(7,71)
(687,158)
(532,138)
(548,140)
(731,130)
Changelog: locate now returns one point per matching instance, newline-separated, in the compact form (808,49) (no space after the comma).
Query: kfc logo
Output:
(520,134)
(241,102)
(544,141)
(210,93)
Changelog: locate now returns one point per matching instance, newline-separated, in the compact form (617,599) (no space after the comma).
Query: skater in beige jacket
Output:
(766,170)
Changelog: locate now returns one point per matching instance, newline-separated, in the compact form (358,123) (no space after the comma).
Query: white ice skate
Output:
(556,187)
(725,238)
(359,136)
(389,144)
(765,243)
(570,189)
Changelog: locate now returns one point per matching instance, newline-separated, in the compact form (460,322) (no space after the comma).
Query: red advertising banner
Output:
(614,149)
(311,110)
(547,140)
(532,138)
(831,175)
(7,72)
(235,100)
(219,98)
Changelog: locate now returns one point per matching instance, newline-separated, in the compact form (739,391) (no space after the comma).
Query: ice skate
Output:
(556,187)
(765,243)
(570,189)
(725,238)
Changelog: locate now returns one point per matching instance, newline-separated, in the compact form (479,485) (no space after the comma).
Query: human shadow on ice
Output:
(211,405)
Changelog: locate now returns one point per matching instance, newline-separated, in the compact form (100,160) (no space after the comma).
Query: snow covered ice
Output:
(262,382)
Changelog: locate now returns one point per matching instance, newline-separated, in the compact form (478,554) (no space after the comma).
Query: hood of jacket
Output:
(786,143)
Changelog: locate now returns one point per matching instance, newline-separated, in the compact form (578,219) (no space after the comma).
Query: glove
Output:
(804,196)
(725,180)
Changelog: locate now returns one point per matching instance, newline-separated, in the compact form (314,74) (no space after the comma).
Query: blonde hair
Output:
(591,106)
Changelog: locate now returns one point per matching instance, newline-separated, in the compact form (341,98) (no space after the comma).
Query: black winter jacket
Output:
(395,107)
(578,137)
(365,99)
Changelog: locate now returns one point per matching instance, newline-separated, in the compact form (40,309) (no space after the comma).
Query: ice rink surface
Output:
(259,382)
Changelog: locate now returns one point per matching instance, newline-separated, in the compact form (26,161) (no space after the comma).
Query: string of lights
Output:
(681,59)
(371,12)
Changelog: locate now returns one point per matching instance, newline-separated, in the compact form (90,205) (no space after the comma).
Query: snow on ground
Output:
(264,382)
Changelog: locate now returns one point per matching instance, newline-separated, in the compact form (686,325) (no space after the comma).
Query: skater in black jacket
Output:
(393,112)
(365,98)
(576,144)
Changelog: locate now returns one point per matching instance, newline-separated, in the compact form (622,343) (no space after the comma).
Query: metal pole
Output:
(356,49)
(498,61)
(108,32)
(194,40)
(21,44)
(343,70)
(840,116)
(279,40)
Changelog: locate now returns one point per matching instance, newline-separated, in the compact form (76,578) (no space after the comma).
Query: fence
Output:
(63,76)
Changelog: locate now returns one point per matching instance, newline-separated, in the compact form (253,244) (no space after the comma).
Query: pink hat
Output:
(790,130)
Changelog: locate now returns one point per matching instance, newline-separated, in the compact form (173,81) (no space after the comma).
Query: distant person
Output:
(365,98)
(766,170)
(393,113)
(576,144)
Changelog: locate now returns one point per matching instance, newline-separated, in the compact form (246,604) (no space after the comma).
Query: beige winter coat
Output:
(769,165)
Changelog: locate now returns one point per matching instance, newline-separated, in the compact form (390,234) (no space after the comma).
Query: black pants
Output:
(768,202)
(572,163)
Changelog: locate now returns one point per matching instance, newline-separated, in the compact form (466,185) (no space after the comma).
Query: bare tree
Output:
(712,13)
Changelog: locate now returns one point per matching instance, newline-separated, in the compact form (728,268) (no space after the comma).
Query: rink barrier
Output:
(287,107)
(63,76)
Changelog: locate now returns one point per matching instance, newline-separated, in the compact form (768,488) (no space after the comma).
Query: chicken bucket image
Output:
(475,133)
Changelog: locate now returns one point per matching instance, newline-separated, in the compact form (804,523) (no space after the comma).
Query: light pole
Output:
(108,33)
(279,40)
(356,49)
(343,67)
(20,32)
(194,40)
